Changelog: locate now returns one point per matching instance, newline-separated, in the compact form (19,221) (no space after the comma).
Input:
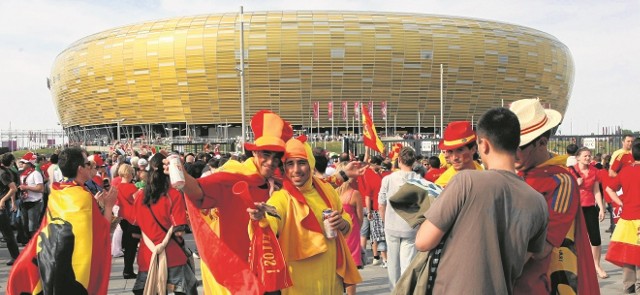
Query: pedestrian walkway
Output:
(374,277)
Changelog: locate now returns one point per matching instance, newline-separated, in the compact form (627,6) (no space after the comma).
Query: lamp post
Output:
(118,127)
(62,125)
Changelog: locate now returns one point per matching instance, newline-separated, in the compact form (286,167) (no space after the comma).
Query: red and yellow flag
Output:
(370,137)
(70,253)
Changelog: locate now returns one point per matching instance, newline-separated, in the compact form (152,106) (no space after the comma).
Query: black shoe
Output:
(10,262)
(127,276)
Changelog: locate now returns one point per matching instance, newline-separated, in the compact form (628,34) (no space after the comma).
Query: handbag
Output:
(420,275)
(187,251)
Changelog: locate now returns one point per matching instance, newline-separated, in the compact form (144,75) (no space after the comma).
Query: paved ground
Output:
(375,277)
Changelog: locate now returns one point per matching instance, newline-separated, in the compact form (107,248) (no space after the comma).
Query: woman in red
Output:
(590,196)
(160,212)
(130,233)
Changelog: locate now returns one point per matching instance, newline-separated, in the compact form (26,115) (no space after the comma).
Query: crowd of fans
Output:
(495,197)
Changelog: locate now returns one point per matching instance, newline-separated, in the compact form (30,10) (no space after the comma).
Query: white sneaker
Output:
(384,264)
(376,262)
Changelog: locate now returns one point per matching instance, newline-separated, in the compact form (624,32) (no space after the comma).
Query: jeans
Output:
(400,252)
(31,213)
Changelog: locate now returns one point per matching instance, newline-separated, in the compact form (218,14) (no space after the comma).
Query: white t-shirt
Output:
(55,175)
(33,179)
(571,161)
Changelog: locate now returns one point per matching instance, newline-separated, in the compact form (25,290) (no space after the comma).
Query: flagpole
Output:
(346,121)
(242,76)
(395,122)
(311,133)
(332,120)
(434,126)
(441,99)
(418,125)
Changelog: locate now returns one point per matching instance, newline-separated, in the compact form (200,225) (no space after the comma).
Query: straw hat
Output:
(457,134)
(534,119)
(271,132)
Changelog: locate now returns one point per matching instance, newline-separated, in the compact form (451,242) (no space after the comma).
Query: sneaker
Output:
(376,262)
(10,262)
(384,264)
(120,254)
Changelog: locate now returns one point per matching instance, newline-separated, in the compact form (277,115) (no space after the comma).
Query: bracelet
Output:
(344,175)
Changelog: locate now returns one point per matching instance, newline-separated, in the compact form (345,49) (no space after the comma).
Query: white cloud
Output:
(602,36)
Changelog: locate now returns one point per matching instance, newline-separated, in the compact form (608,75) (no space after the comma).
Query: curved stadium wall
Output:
(185,70)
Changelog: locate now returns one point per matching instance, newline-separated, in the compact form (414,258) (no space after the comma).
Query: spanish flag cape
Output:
(222,270)
(307,234)
(571,267)
(70,253)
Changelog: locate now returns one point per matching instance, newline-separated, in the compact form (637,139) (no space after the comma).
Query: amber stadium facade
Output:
(183,73)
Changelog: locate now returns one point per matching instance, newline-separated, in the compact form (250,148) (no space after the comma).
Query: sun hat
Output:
(271,132)
(457,134)
(534,119)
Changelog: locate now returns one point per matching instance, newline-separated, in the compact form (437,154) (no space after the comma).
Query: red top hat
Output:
(271,132)
(457,134)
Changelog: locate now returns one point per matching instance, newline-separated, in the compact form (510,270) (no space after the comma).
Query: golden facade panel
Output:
(186,70)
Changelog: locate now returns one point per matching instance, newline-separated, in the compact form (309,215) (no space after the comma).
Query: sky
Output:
(603,37)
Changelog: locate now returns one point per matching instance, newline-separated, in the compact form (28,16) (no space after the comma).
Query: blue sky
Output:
(603,36)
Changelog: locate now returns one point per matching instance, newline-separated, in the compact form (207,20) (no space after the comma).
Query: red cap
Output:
(457,134)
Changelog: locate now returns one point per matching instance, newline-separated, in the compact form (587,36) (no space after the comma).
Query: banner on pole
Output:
(383,109)
(316,111)
(356,110)
(330,111)
(344,111)
(371,109)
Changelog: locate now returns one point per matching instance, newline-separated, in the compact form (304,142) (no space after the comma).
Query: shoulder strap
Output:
(578,175)
(173,237)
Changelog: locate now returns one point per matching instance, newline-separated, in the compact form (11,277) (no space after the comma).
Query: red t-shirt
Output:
(170,210)
(369,185)
(627,179)
(621,161)
(98,180)
(434,173)
(587,198)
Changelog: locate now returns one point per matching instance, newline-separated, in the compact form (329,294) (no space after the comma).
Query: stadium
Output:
(181,76)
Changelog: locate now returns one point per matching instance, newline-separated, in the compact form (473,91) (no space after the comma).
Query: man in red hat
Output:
(223,226)
(459,144)
(565,266)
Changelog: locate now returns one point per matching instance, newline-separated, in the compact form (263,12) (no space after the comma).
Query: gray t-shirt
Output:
(493,218)
(394,224)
